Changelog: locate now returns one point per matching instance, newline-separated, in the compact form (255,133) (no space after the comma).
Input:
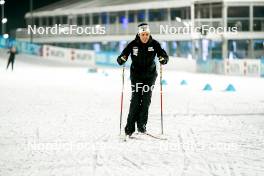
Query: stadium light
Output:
(4,20)
(2,2)
(5,36)
(178,19)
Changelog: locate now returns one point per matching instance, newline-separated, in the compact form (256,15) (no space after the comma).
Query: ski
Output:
(152,136)
(155,137)
(127,137)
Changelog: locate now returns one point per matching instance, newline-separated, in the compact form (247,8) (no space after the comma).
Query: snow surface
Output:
(57,120)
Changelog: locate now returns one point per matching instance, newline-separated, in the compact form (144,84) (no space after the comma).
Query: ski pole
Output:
(122,97)
(161,102)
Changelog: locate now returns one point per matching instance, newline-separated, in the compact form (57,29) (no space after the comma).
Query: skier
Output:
(11,58)
(143,74)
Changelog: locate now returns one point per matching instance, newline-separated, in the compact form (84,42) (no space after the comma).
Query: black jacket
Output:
(12,55)
(143,57)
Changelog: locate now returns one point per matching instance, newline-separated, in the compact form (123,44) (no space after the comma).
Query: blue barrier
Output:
(22,47)
(29,48)
(3,42)
(210,66)
(262,67)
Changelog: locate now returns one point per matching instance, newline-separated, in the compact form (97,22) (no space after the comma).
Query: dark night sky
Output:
(15,11)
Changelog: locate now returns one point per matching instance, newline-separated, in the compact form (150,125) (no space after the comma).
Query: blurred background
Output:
(210,52)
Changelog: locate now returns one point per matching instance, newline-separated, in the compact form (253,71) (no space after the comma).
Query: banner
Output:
(86,57)
(252,67)
(244,67)
(233,67)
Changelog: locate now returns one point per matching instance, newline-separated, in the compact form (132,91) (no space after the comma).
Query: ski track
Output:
(58,121)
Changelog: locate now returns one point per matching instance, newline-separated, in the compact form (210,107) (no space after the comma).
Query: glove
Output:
(163,60)
(121,60)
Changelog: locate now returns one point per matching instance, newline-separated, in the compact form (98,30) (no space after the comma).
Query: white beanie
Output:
(143,27)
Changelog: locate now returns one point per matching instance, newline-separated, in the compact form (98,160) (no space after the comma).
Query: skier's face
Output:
(13,49)
(144,37)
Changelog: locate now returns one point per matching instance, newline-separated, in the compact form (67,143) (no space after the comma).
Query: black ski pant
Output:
(139,104)
(12,63)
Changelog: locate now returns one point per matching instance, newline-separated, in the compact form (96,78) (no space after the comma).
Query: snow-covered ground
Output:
(63,121)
